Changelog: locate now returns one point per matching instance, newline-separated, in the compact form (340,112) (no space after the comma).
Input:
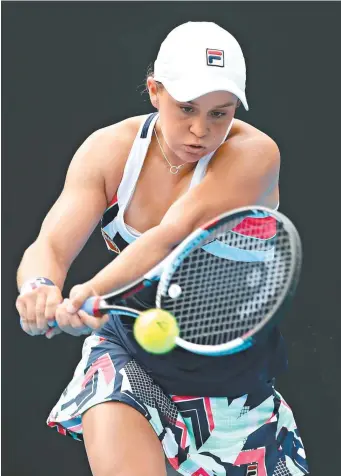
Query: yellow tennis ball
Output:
(156,330)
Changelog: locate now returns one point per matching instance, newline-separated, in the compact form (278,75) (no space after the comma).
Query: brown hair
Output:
(150,72)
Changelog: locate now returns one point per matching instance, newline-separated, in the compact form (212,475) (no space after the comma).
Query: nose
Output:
(199,127)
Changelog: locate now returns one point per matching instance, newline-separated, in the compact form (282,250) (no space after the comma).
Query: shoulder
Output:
(246,136)
(112,141)
(122,133)
(109,148)
(248,163)
(104,153)
(249,146)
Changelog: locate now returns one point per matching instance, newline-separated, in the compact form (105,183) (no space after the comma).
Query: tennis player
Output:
(152,180)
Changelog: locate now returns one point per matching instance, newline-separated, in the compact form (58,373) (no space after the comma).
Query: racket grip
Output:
(90,306)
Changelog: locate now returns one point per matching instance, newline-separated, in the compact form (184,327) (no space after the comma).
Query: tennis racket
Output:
(227,284)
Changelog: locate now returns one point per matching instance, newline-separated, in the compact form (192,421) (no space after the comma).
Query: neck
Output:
(168,155)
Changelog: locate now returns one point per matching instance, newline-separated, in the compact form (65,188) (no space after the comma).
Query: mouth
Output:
(194,149)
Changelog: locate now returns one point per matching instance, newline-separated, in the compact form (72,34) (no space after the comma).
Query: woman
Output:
(154,179)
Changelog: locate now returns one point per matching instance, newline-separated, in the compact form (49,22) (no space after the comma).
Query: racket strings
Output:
(224,298)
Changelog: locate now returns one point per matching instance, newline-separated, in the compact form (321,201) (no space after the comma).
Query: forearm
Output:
(41,260)
(137,259)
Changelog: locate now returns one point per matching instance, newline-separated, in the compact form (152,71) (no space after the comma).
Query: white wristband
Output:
(35,283)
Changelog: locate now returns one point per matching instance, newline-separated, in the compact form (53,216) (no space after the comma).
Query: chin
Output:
(191,158)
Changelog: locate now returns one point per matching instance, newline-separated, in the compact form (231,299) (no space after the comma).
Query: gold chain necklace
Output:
(174,169)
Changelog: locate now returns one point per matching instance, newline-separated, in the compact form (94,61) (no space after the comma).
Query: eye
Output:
(218,114)
(186,109)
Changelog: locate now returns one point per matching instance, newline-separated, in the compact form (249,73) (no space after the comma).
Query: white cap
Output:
(197,58)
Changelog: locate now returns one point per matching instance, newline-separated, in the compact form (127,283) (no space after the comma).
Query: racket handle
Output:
(90,306)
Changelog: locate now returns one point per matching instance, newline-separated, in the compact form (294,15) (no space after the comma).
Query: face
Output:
(193,129)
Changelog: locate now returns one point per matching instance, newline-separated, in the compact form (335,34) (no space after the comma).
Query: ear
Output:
(153,92)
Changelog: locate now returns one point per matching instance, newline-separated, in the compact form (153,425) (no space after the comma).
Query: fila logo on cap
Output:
(215,57)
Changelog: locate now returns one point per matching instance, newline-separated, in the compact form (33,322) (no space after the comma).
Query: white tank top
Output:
(115,224)
(117,234)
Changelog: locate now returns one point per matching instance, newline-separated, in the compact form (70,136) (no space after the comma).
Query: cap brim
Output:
(184,91)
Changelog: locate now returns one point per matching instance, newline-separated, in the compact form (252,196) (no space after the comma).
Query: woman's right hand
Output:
(37,309)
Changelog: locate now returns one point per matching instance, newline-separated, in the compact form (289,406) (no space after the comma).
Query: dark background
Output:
(71,68)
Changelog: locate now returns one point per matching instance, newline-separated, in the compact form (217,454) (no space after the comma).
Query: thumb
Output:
(78,295)
(91,321)
(75,290)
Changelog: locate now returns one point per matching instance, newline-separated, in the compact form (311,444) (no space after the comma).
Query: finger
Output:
(76,322)
(75,290)
(76,299)
(21,308)
(40,312)
(70,323)
(93,322)
(52,331)
(31,314)
(53,300)
(61,315)
(25,327)
(78,295)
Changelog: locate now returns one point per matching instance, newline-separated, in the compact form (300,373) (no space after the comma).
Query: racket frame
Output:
(183,250)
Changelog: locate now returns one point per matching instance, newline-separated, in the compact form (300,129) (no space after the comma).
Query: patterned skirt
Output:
(251,435)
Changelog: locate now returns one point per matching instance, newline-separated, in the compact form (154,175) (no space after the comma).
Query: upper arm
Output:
(79,208)
(243,173)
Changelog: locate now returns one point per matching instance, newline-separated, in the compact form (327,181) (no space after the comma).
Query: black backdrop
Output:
(70,68)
